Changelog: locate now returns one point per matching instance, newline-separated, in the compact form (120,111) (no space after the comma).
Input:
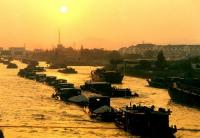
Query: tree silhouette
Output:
(161,61)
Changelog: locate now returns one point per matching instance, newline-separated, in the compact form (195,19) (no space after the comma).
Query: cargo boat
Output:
(40,78)
(186,92)
(68,70)
(158,82)
(12,66)
(145,121)
(105,89)
(65,93)
(50,80)
(56,66)
(100,109)
(101,74)
(70,94)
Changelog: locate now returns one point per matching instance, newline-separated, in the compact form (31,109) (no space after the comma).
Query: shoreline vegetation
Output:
(189,68)
(112,60)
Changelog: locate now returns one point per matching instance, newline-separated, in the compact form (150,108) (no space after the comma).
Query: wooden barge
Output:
(105,89)
(145,121)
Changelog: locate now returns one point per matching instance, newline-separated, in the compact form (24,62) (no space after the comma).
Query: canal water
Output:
(28,111)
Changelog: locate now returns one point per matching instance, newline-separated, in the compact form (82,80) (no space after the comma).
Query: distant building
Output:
(1,49)
(142,48)
(170,51)
(5,53)
(17,52)
(38,50)
(138,49)
(60,46)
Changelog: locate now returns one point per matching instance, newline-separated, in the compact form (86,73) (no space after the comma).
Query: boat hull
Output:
(184,97)
(157,84)
(112,78)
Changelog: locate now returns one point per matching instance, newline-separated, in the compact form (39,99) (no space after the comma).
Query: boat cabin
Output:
(98,101)
(145,121)
(60,86)
(50,80)
(98,86)
(59,82)
(40,77)
(66,93)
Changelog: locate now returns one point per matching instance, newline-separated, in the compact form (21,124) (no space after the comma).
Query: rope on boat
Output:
(65,127)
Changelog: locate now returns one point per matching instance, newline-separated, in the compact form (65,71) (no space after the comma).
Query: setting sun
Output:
(64,9)
(110,24)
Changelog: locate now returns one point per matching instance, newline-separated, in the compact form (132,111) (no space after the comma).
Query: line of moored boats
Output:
(8,63)
(136,119)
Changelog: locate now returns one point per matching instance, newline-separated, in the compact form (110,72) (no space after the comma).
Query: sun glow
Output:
(64,9)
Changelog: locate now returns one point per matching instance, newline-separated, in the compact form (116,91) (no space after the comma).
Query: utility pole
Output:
(59,37)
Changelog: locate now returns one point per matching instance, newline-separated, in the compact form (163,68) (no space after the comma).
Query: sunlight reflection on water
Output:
(28,103)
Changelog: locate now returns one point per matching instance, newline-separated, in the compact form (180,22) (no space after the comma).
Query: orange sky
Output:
(109,24)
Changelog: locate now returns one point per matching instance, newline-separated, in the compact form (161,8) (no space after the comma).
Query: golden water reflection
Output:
(28,104)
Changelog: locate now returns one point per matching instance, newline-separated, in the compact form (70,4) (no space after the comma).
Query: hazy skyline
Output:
(108,24)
